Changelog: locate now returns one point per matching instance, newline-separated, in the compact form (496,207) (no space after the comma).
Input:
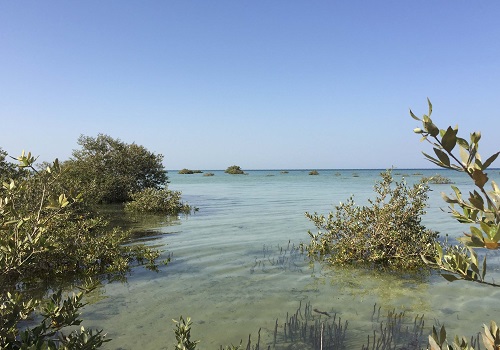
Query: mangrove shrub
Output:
(386,233)
(234,170)
(109,170)
(151,200)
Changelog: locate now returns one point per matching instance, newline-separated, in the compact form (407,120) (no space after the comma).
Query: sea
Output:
(237,272)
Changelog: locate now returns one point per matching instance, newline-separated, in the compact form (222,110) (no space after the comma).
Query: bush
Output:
(313,172)
(189,171)
(437,179)
(152,200)
(108,170)
(47,233)
(387,233)
(234,170)
(57,314)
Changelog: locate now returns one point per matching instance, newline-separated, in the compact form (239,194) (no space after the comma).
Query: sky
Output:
(260,84)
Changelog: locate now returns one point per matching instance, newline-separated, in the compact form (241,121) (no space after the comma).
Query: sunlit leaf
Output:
(414,116)
(490,160)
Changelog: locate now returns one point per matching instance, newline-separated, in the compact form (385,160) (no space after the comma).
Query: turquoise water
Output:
(234,268)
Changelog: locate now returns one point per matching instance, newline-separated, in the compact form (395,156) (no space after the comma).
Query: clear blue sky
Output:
(260,84)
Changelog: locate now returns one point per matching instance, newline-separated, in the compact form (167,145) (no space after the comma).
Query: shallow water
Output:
(235,270)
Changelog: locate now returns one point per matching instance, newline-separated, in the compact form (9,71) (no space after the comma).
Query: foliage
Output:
(313,172)
(57,313)
(108,170)
(490,337)
(481,210)
(189,171)
(208,174)
(437,179)
(46,234)
(152,200)
(235,170)
(7,169)
(183,334)
(387,233)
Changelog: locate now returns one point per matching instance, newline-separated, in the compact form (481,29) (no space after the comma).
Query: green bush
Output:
(108,170)
(234,170)
(313,172)
(387,233)
(56,314)
(437,179)
(189,171)
(47,233)
(152,200)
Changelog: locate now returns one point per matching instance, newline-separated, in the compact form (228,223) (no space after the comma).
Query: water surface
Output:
(235,269)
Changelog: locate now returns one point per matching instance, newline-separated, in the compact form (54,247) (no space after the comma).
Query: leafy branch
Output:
(481,209)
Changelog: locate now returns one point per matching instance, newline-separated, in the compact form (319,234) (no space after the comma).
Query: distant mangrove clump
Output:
(234,170)
(189,171)
(313,172)
(437,179)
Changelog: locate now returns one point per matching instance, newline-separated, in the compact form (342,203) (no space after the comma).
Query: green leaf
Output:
(433,160)
(477,201)
(496,235)
(414,116)
(463,143)
(449,139)
(476,232)
(475,137)
(490,160)
(457,192)
(464,155)
(449,277)
(479,177)
(448,199)
(439,250)
(430,106)
(443,157)
(483,273)
(432,129)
